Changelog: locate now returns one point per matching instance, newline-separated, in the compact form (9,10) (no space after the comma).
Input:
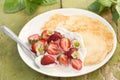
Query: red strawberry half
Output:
(43,42)
(65,44)
(47,59)
(63,59)
(33,38)
(45,34)
(76,64)
(40,43)
(69,53)
(53,48)
(33,47)
(54,37)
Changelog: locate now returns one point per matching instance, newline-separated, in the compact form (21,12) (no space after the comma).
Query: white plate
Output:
(34,26)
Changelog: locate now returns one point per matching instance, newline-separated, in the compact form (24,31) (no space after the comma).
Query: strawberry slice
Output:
(54,37)
(65,44)
(47,59)
(53,48)
(63,59)
(45,34)
(43,42)
(33,38)
(34,46)
(69,53)
(76,63)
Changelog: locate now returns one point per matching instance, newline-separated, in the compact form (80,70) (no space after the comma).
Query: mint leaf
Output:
(36,1)
(106,3)
(11,6)
(44,2)
(48,2)
(115,16)
(100,5)
(114,1)
(96,7)
(30,7)
(118,6)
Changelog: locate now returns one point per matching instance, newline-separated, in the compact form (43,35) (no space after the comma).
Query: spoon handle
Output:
(13,36)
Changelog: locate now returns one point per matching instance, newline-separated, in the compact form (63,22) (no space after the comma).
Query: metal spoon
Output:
(13,36)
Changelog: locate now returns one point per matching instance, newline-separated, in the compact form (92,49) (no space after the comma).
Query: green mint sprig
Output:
(12,6)
(101,5)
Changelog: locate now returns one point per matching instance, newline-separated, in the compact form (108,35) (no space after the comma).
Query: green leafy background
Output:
(100,6)
(12,6)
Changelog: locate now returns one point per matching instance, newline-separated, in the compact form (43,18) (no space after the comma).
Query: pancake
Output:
(97,37)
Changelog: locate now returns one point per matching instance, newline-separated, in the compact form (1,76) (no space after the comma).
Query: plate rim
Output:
(69,9)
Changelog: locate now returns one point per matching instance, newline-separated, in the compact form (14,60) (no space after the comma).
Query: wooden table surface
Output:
(13,68)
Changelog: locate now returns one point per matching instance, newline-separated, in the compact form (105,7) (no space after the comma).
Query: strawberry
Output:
(54,37)
(76,63)
(33,38)
(45,34)
(69,53)
(53,48)
(34,46)
(42,41)
(65,44)
(63,59)
(47,59)
(39,44)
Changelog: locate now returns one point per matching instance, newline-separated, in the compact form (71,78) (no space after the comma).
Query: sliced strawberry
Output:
(65,44)
(54,37)
(69,53)
(43,42)
(40,43)
(47,59)
(33,38)
(53,48)
(63,59)
(76,64)
(34,46)
(45,34)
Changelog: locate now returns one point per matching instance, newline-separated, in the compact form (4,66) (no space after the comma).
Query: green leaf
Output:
(115,16)
(36,1)
(118,6)
(30,6)
(114,1)
(44,2)
(106,3)
(11,6)
(48,2)
(96,7)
